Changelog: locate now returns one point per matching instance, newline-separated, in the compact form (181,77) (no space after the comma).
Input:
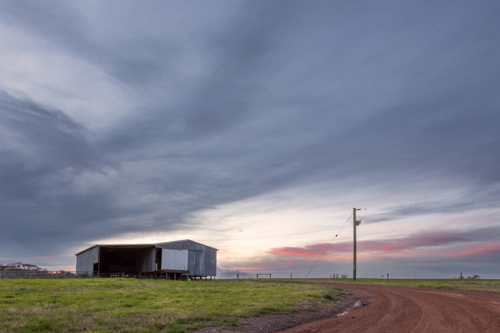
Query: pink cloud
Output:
(418,244)
(313,250)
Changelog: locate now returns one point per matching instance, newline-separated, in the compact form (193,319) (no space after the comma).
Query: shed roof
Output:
(137,246)
(140,245)
(187,240)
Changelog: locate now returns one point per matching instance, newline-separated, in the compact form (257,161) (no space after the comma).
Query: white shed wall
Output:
(174,259)
(85,261)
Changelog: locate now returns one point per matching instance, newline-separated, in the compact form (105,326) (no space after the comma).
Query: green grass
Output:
(131,305)
(449,284)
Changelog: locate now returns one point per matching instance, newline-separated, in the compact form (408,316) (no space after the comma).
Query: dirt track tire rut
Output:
(416,310)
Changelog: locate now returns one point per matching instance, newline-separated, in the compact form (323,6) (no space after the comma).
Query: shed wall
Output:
(174,259)
(85,261)
(202,260)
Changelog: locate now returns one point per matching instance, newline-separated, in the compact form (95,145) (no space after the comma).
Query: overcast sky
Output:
(254,127)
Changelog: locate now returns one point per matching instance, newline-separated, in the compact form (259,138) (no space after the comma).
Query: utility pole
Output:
(354,224)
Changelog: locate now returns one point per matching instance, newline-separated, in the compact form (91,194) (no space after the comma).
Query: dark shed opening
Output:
(126,259)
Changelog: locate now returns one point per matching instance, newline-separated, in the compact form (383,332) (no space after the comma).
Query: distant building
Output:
(168,260)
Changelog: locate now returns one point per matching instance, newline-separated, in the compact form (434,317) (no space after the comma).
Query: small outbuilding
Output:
(168,260)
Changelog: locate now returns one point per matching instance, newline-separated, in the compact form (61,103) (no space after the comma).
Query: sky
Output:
(254,127)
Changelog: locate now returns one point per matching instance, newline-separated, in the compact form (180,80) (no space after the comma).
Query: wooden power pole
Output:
(354,224)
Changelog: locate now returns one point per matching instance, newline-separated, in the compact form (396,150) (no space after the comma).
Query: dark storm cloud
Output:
(37,144)
(418,127)
(244,101)
(50,136)
(42,151)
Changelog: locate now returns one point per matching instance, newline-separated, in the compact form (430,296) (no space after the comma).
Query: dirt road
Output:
(406,309)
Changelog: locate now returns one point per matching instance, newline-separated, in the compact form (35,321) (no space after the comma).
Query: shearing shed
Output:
(170,260)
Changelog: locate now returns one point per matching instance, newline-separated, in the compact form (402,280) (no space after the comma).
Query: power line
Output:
(299,233)
(328,246)
(364,214)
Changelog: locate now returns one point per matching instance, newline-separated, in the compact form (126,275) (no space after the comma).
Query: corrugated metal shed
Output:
(186,255)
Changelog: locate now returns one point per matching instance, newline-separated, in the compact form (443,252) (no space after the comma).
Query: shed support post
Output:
(99,262)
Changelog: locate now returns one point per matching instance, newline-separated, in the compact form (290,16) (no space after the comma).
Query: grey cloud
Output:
(462,202)
(49,136)
(42,151)
(38,144)
(62,24)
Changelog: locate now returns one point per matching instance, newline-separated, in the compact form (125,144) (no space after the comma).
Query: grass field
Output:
(450,284)
(132,305)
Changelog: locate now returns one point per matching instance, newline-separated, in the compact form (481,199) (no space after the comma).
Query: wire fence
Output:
(343,277)
(20,274)
(26,274)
